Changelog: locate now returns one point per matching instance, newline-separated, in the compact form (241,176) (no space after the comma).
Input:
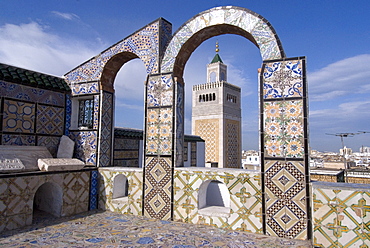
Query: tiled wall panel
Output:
(285,148)
(341,215)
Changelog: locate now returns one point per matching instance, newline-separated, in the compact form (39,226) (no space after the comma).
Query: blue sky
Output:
(56,36)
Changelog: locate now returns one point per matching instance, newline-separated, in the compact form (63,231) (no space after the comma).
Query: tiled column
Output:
(163,120)
(284,150)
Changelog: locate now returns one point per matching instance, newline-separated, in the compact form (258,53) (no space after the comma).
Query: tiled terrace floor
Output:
(107,229)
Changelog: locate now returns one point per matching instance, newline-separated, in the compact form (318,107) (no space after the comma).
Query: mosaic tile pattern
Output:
(94,190)
(106,128)
(68,110)
(266,38)
(159,131)
(17,195)
(86,146)
(129,205)
(107,229)
(179,145)
(18,139)
(158,188)
(341,215)
(284,132)
(245,194)
(285,166)
(145,43)
(50,120)
(18,116)
(85,88)
(283,79)
(26,93)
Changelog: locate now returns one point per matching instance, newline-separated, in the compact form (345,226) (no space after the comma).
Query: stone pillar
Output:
(284,149)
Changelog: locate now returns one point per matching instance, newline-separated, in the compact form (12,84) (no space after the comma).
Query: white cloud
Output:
(32,47)
(344,77)
(66,16)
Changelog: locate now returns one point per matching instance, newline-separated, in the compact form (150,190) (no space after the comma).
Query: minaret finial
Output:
(217,50)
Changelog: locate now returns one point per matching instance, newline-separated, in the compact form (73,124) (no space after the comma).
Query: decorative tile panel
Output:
(179,133)
(283,79)
(50,120)
(85,88)
(26,93)
(106,129)
(285,162)
(160,90)
(68,110)
(19,140)
(158,188)
(18,116)
(86,146)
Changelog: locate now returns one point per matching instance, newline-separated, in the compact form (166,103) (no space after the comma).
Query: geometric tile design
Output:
(17,196)
(106,128)
(31,94)
(284,132)
(147,44)
(179,132)
(252,23)
(160,90)
(86,146)
(50,120)
(284,150)
(341,215)
(68,107)
(245,193)
(283,79)
(158,188)
(85,88)
(94,190)
(133,203)
(18,117)
(18,139)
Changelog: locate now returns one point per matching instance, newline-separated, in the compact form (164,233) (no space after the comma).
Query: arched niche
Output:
(49,199)
(120,187)
(213,199)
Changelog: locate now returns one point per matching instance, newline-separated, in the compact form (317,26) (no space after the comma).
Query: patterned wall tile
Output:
(284,131)
(50,120)
(18,116)
(106,129)
(86,146)
(68,111)
(19,140)
(26,93)
(85,88)
(158,188)
(283,79)
(340,215)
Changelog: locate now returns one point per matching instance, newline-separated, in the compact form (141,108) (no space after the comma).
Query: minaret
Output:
(216,116)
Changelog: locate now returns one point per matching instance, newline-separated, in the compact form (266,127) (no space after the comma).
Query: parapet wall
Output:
(341,214)
(242,201)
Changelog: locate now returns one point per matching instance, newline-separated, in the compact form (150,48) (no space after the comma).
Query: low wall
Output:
(17,194)
(244,211)
(341,214)
(130,204)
